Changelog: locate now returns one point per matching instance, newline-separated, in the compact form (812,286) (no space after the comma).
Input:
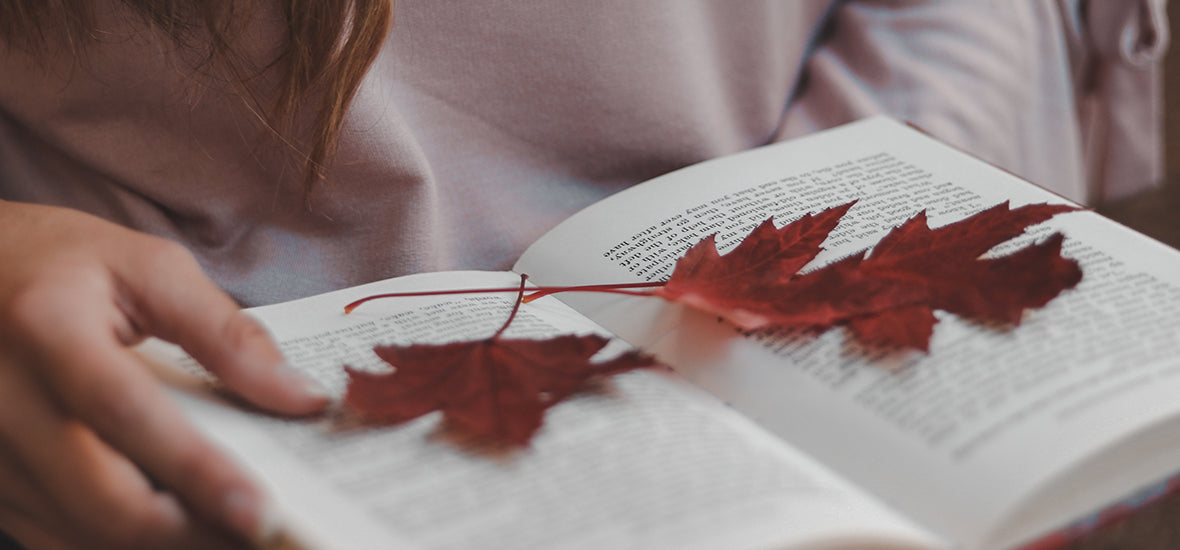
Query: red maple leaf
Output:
(736,285)
(888,297)
(493,391)
(946,261)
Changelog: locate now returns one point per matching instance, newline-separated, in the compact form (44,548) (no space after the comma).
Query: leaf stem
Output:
(620,288)
(515,308)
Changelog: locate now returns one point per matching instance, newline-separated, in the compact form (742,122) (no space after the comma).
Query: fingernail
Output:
(305,384)
(270,529)
(247,514)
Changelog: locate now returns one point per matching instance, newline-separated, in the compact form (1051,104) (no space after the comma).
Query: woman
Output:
(163,161)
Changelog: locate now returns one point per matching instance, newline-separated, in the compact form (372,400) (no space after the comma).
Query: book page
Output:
(647,461)
(961,438)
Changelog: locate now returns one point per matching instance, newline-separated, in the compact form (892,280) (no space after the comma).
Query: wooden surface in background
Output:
(1156,527)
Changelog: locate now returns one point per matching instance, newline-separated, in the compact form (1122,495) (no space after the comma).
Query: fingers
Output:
(124,405)
(63,487)
(98,382)
(169,296)
(82,422)
(30,534)
(26,512)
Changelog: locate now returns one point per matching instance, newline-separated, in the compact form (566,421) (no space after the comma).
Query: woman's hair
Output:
(329,47)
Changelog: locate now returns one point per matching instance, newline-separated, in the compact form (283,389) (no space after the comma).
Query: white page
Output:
(650,462)
(956,438)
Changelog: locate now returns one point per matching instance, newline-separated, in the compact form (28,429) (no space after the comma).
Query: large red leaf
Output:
(903,327)
(736,285)
(494,390)
(887,298)
(946,262)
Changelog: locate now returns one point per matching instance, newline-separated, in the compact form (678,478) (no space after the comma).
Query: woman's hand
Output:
(93,453)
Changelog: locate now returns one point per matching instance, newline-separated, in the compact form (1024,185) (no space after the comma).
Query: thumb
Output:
(169,296)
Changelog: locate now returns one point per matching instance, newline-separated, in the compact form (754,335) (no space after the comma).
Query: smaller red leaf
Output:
(494,390)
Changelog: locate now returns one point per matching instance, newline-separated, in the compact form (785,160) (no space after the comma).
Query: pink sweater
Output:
(480,126)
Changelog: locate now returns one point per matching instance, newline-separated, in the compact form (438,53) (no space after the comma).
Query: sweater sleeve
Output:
(1116,52)
(1000,80)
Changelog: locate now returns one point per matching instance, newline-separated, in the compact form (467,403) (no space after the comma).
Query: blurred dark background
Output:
(1157,213)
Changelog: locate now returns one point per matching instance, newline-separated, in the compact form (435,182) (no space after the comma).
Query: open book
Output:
(992,440)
